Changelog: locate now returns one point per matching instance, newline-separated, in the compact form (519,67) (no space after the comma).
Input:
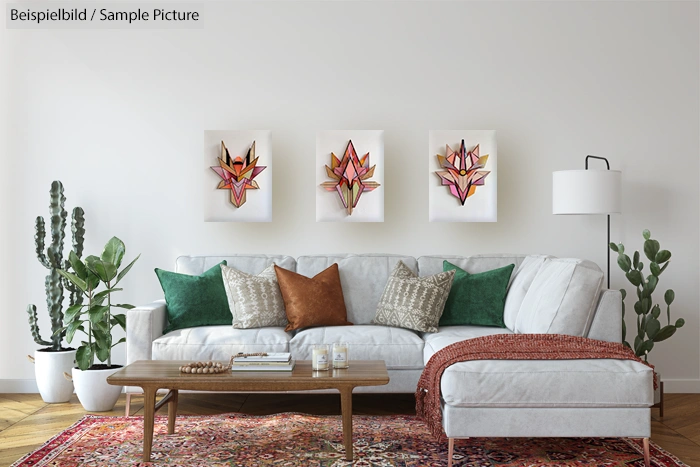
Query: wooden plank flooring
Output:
(26,422)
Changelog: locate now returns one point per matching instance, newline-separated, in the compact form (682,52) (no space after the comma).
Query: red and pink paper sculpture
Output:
(350,174)
(462,174)
(238,174)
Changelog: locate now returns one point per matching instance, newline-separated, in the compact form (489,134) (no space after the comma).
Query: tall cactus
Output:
(53,260)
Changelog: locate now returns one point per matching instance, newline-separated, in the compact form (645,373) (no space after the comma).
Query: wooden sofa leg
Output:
(647,459)
(127,409)
(450,451)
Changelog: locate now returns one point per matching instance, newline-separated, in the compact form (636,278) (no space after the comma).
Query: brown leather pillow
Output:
(316,301)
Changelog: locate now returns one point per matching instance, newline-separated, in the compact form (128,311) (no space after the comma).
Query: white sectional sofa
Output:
(480,398)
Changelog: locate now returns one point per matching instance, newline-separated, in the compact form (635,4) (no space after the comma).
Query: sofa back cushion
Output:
(561,298)
(520,282)
(249,264)
(429,265)
(363,278)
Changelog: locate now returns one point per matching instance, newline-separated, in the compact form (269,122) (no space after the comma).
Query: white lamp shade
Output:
(586,192)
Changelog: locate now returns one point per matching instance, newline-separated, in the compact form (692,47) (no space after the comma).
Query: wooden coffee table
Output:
(152,375)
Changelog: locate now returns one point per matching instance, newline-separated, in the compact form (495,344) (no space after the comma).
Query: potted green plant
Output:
(52,361)
(650,328)
(95,320)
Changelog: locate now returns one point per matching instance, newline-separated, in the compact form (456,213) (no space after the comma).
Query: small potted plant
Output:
(96,321)
(54,359)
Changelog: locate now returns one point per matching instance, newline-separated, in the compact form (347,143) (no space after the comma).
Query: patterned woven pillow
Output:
(255,301)
(413,302)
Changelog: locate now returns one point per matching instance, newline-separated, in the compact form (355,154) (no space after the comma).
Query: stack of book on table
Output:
(280,361)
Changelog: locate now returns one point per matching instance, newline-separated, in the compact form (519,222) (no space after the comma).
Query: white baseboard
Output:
(26,386)
(684,386)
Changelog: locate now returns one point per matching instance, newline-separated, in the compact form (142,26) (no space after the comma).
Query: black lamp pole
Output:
(607,246)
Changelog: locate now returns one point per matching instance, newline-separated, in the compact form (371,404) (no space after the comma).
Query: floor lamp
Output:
(588,192)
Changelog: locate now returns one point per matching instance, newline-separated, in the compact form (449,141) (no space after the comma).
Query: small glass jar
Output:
(340,355)
(320,358)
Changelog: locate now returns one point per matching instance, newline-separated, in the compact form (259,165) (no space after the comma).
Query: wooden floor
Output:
(26,421)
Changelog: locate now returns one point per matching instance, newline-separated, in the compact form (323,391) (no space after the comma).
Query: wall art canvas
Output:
(237,176)
(462,176)
(350,176)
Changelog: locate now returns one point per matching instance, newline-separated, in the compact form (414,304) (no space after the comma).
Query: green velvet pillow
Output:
(476,299)
(195,300)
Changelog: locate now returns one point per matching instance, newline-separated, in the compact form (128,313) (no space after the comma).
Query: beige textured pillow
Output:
(413,302)
(255,301)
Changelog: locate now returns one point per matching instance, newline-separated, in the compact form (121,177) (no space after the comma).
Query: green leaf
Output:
(663,256)
(120,320)
(635,277)
(125,270)
(123,339)
(624,293)
(97,313)
(102,269)
(665,333)
(74,279)
(114,252)
(624,262)
(653,327)
(613,247)
(103,354)
(646,234)
(656,311)
(680,322)
(77,265)
(655,269)
(650,284)
(84,356)
(663,268)
(651,247)
(640,266)
(92,280)
(621,248)
(645,348)
(102,338)
(638,307)
(72,313)
(126,306)
(101,296)
(635,259)
(72,328)
(669,296)
(637,343)
(624,332)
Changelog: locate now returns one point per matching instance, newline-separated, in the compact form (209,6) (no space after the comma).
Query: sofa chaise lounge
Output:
(492,398)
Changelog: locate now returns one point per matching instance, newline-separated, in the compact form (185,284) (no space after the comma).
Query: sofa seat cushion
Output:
(400,349)
(218,343)
(548,383)
(449,335)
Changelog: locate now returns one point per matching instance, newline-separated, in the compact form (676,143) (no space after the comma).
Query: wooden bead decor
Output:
(212,368)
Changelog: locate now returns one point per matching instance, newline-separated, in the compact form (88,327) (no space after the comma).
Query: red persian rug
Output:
(292,439)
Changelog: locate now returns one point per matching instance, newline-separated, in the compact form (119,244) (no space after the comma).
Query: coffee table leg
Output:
(346,411)
(149,409)
(172,412)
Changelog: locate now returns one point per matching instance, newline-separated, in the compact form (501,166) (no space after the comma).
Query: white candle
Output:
(340,355)
(320,358)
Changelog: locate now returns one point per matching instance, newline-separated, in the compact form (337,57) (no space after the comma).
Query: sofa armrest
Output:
(607,321)
(144,324)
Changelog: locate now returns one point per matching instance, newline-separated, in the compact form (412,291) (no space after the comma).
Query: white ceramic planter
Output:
(93,391)
(48,371)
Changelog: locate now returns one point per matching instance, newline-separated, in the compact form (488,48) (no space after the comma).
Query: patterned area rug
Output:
(292,439)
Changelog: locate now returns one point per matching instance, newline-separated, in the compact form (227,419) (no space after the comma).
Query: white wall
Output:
(119,116)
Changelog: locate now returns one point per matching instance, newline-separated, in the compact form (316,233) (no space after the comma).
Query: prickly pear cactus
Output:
(650,329)
(52,259)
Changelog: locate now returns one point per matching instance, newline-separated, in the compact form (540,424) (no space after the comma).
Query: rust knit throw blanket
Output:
(506,347)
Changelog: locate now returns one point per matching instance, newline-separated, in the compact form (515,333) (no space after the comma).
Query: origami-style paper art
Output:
(350,176)
(238,174)
(462,174)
